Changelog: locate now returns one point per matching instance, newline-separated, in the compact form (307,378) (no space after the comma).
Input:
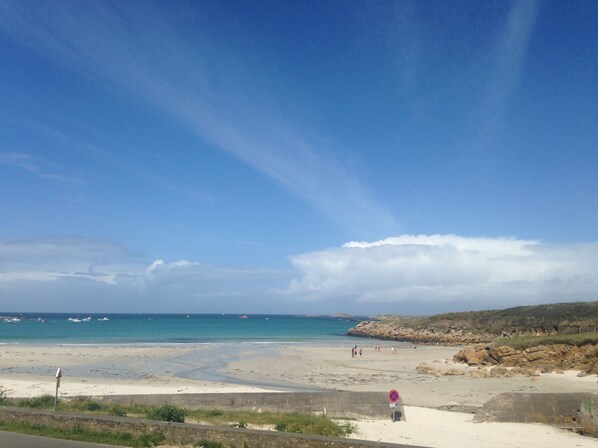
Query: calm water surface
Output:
(169,328)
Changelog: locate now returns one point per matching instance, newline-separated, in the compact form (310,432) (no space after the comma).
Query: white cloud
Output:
(51,259)
(84,274)
(414,270)
(405,274)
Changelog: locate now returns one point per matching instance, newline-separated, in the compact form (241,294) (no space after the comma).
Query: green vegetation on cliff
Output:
(559,318)
(523,342)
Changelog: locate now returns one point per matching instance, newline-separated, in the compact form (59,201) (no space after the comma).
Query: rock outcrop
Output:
(449,336)
(544,358)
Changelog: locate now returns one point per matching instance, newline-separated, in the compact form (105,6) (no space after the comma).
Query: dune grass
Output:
(286,422)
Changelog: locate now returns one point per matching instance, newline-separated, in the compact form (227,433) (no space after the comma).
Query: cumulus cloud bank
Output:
(405,274)
(439,269)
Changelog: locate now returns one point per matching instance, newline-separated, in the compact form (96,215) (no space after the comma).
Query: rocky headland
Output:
(542,358)
(438,336)
(522,340)
(474,327)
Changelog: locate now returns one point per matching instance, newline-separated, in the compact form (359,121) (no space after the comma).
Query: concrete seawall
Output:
(182,433)
(575,411)
(588,414)
(359,405)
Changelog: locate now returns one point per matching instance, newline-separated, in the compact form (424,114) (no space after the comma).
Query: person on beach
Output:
(352,352)
(361,351)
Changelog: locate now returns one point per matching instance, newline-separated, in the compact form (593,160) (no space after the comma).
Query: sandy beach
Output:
(28,370)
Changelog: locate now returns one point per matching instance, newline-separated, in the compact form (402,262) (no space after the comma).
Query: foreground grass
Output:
(83,435)
(286,422)
(523,342)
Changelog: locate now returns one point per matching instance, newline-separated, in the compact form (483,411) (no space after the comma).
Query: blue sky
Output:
(367,157)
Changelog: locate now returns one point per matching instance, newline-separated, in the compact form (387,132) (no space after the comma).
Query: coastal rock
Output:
(498,371)
(543,358)
(477,373)
(429,370)
(474,356)
(442,370)
(389,331)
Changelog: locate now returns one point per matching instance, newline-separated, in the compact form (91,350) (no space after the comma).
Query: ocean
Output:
(169,328)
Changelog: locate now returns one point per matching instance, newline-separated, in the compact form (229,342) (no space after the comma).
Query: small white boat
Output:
(86,319)
(74,319)
(103,319)
(10,320)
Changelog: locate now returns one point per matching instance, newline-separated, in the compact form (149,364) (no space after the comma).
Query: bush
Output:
(208,444)
(167,413)
(241,424)
(43,401)
(311,424)
(84,404)
(215,413)
(3,397)
(148,440)
(117,410)
(93,406)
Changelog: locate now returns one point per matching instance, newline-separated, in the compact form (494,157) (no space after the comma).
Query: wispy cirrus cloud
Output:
(54,274)
(211,91)
(505,63)
(34,165)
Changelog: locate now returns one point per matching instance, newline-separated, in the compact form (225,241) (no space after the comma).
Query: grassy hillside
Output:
(561,318)
(523,342)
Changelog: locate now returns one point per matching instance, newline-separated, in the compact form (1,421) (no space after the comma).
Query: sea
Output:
(36,328)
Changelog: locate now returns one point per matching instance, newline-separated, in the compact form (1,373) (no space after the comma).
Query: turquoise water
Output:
(169,328)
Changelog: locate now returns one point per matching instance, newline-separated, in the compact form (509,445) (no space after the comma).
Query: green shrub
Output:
(215,413)
(117,410)
(241,424)
(3,397)
(347,428)
(41,402)
(84,404)
(167,413)
(311,424)
(147,440)
(523,342)
(208,444)
(93,406)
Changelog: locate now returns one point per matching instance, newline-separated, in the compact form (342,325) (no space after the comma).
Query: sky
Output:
(297,156)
